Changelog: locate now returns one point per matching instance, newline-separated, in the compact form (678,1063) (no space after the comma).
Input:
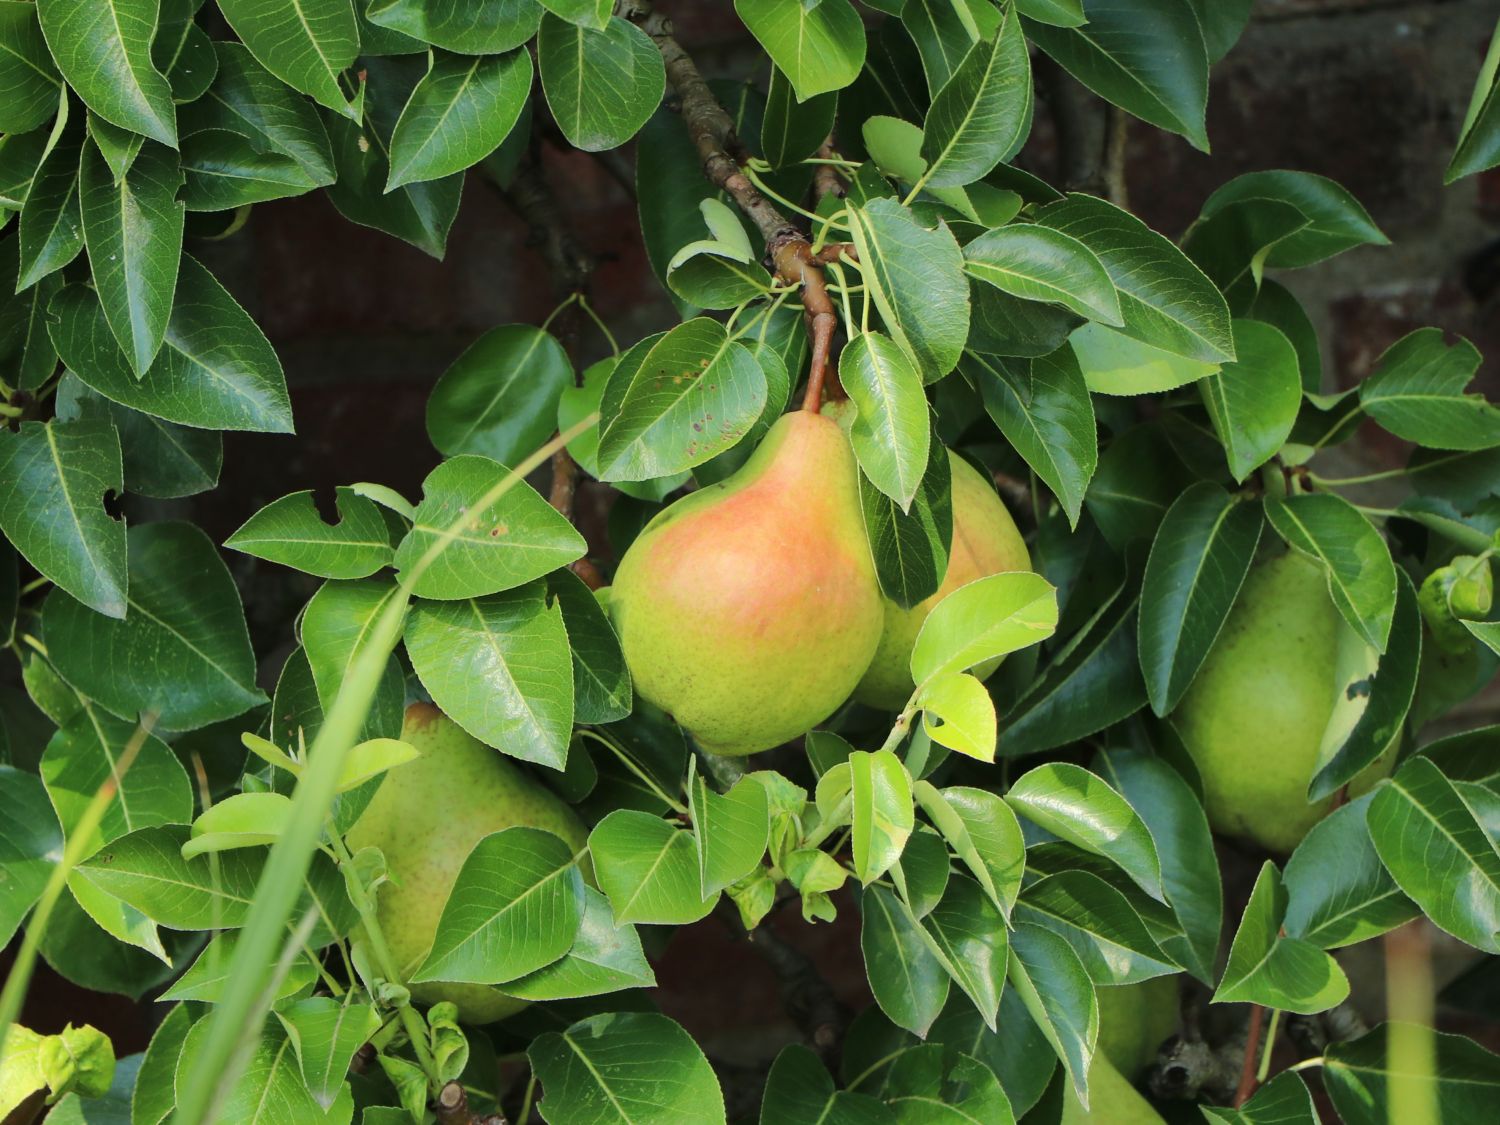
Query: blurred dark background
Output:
(1368,92)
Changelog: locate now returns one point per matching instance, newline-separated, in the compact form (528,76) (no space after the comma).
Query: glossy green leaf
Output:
(1361,575)
(29,82)
(501,668)
(119,147)
(908,980)
(932,1085)
(1114,363)
(793,130)
(623,1068)
(1042,406)
(155,1097)
(326,1033)
(51,229)
(458,114)
(241,820)
(1278,971)
(1148,59)
(305,43)
(982,114)
(133,231)
(1370,1081)
(1059,13)
(1058,995)
(915,276)
(648,868)
(103,48)
(730,831)
(970,934)
(292,532)
(818,47)
(601,681)
(500,397)
(223,170)
(270,1084)
(910,548)
(54,478)
(146,869)
(799,1091)
(336,627)
(1417,392)
(881,803)
(944,33)
(1110,938)
(161,458)
(1232,245)
(456,25)
(497,546)
(182,652)
(987,618)
(603,958)
(890,433)
(1202,552)
(957,712)
(1479,140)
(1336,221)
(183,52)
(1253,400)
(514,908)
(1430,841)
(601,85)
(30,843)
(984,835)
(216,370)
(1041,264)
(690,395)
(1284,1100)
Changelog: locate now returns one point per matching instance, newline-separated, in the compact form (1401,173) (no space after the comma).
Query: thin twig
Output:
(1252,1056)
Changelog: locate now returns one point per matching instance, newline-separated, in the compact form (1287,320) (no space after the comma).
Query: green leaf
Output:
(500,397)
(1115,364)
(585,13)
(987,618)
(103,48)
(880,792)
(133,231)
(291,531)
(241,820)
(1335,220)
(496,547)
(1110,938)
(1487,631)
(1165,300)
(500,667)
(155,1097)
(1253,400)
(909,982)
(730,831)
(648,869)
(1043,408)
(326,1033)
(51,229)
(1416,392)
(1202,552)
(20,155)
(601,681)
(336,627)
(216,370)
(624,1068)
(1284,1100)
(891,433)
(910,548)
(1150,60)
(957,713)
(601,85)
(54,478)
(147,870)
(249,101)
(161,459)
(456,25)
(915,275)
(1438,852)
(792,131)
(1479,140)
(1280,972)
(305,43)
(896,148)
(30,843)
(934,1085)
(182,653)
(1232,245)
(1361,575)
(1370,1079)
(984,835)
(1081,808)
(800,1092)
(819,47)
(223,171)
(1058,13)
(185,54)
(692,394)
(982,114)
(119,147)
(970,933)
(1058,995)
(945,32)
(514,908)
(27,73)
(205,978)
(458,114)
(85,755)
(923,873)
(1338,893)
(1040,264)
(604,958)
(271,1082)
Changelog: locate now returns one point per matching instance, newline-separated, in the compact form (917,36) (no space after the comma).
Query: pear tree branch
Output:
(713,134)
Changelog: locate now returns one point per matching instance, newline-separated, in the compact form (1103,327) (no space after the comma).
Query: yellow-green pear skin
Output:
(1112,1100)
(1254,717)
(985,541)
(750,609)
(426,817)
(1135,1020)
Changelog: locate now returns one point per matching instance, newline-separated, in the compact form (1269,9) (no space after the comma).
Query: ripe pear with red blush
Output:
(750,609)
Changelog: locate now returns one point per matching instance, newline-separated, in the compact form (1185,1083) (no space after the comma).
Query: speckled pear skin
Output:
(1112,1100)
(985,541)
(1134,1021)
(750,609)
(426,817)
(1254,717)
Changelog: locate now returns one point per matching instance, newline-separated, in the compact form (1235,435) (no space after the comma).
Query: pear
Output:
(1112,1100)
(750,609)
(985,541)
(426,817)
(1255,716)
(1135,1020)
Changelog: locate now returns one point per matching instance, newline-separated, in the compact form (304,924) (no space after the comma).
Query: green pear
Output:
(1135,1020)
(985,541)
(1112,1100)
(1255,716)
(426,817)
(750,609)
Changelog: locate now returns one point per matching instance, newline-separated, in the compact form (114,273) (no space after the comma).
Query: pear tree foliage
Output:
(1213,634)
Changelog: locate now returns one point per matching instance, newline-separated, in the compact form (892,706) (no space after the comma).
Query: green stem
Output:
(1265,1058)
(827,828)
(647,780)
(34,585)
(771,194)
(570,299)
(526,1101)
(614,345)
(1337,426)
